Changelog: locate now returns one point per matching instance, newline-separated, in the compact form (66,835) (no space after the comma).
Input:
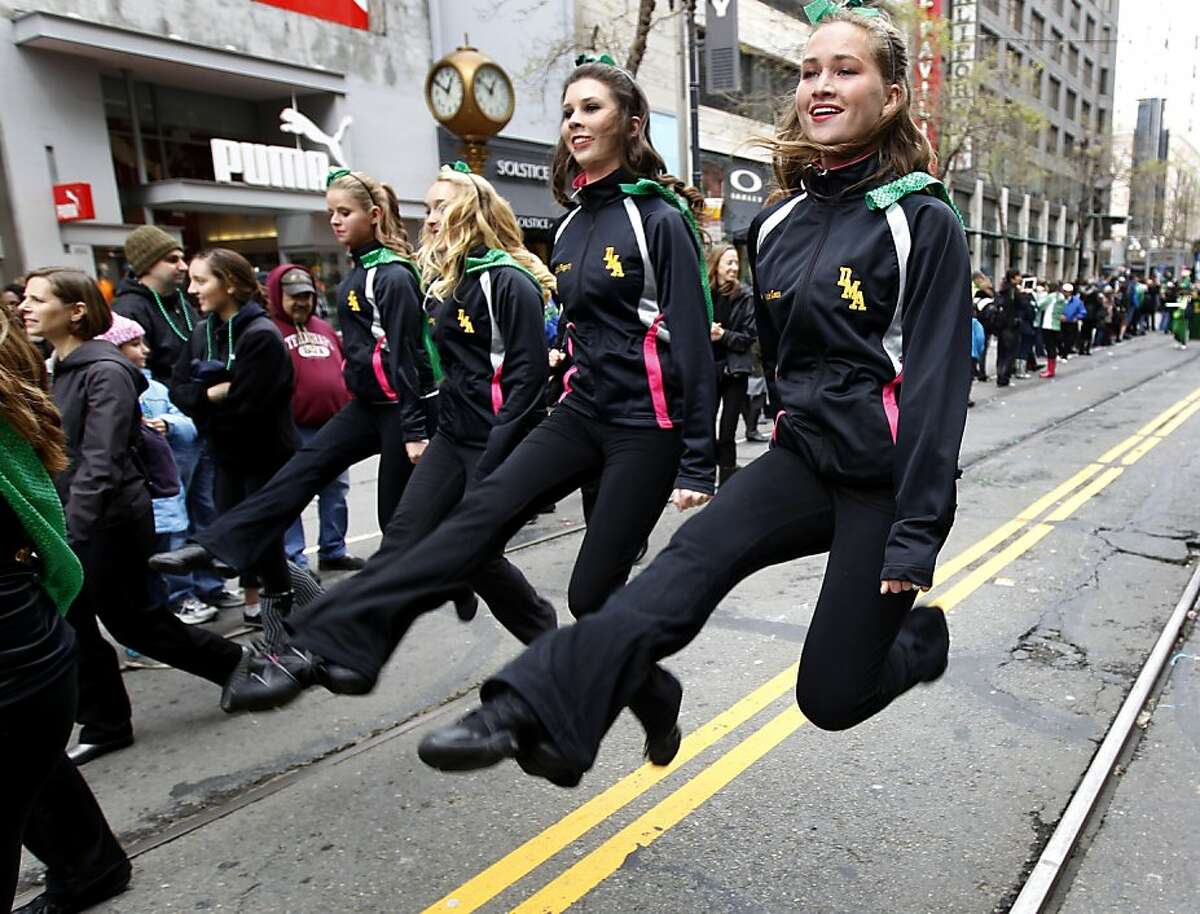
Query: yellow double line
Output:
(599,864)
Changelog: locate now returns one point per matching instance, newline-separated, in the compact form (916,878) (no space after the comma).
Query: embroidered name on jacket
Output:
(613,263)
(852,289)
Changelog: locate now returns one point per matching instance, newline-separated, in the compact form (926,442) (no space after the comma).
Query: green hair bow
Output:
(460,165)
(819,9)
(334,174)
(592,58)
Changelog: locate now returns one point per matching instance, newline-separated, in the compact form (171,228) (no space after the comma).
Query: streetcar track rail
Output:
(1039,892)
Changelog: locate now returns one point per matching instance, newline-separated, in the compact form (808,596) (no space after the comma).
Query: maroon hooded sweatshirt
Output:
(316,358)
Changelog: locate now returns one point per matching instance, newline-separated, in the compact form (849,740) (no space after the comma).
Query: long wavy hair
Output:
(715,253)
(25,402)
(368,193)
(902,147)
(476,215)
(638,153)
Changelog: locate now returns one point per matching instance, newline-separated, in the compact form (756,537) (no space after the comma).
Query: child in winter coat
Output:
(170,513)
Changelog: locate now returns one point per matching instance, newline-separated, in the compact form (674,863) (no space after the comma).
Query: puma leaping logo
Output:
(292,121)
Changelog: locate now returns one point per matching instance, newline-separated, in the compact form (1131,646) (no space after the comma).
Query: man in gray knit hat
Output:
(152,295)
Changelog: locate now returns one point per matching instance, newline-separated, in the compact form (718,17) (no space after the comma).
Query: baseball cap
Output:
(297,281)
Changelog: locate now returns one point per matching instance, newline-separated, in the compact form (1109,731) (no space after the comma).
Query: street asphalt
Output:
(939,804)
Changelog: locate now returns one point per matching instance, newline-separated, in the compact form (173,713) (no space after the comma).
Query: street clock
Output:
(471,96)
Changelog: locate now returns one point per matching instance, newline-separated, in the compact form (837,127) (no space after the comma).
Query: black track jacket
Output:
(867,317)
(489,334)
(637,330)
(380,317)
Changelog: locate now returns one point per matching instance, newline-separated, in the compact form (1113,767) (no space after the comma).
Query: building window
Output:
(1068,144)
(1056,45)
(1016,16)
(1073,60)
(1104,88)
(989,42)
(993,5)
(1037,25)
(1052,140)
(1072,103)
(1085,115)
(1014,66)
(1035,83)
(1101,120)
(1076,10)
(1058,7)
(1089,73)
(1090,34)
(1055,91)
(765,80)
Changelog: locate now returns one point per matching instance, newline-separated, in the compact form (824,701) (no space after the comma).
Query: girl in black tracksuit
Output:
(862,283)
(636,410)
(235,380)
(388,370)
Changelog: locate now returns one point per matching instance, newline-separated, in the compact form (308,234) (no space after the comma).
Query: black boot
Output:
(466,605)
(192,557)
(662,725)
(272,679)
(925,638)
(503,727)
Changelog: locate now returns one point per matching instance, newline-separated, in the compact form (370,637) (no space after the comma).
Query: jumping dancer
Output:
(863,286)
(110,520)
(388,369)
(637,413)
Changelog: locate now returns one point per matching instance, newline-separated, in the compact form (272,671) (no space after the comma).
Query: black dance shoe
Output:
(663,739)
(83,753)
(926,636)
(502,727)
(466,606)
(265,680)
(192,557)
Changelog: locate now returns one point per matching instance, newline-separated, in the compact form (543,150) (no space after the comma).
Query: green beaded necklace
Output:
(209,340)
(167,317)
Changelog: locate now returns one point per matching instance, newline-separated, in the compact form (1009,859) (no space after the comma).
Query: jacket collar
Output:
(846,182)
(360,252)
(603,192)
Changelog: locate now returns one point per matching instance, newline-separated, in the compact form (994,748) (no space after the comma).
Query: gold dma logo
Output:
(613,263)
(852,289)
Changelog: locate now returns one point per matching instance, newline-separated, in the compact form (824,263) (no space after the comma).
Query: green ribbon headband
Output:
(819,9)
(334,174)
(592,58)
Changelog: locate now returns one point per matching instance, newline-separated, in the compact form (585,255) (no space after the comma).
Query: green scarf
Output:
(29,491)
(386,255)
(883,197)
(498,258)
(647,187)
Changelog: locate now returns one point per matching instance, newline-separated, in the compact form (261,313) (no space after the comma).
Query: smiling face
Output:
(207,290)
(842,96)
(136,351)
(353,226)
(727,267)
(592,127)
(439,196)
(168,274)
(46,315)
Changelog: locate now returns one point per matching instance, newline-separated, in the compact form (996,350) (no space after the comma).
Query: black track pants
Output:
(1007,343)
(233,487)
(116,588)
(445,472)
(46,804)
(360,430)
(359,621)
(776,509)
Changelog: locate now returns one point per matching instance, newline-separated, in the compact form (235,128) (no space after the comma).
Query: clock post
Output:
(471,96)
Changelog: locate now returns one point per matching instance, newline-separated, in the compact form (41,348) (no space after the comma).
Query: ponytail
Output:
(367,193)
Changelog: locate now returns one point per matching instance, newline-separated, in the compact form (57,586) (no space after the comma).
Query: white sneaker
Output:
(252,614)
(192,612)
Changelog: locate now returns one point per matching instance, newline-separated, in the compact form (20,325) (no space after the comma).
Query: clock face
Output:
(493,93)
(446,92)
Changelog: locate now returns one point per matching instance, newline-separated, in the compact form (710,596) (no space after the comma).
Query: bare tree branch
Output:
(641,33)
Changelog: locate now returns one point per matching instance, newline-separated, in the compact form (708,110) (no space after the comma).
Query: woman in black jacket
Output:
(235,380)
(44,801)
(110,523)
(636,412)
(388,369)
(732,338)
(862,283)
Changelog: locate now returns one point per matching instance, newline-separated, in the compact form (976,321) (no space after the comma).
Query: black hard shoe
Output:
(663,737)
(192,557)
(43,904)
(83,753)
(262,681)
(926,637)
(466,606)
(502,727)
(222,599)
(345,562)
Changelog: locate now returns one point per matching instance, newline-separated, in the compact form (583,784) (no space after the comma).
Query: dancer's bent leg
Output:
(359,622)
(241,536)
(578,679)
